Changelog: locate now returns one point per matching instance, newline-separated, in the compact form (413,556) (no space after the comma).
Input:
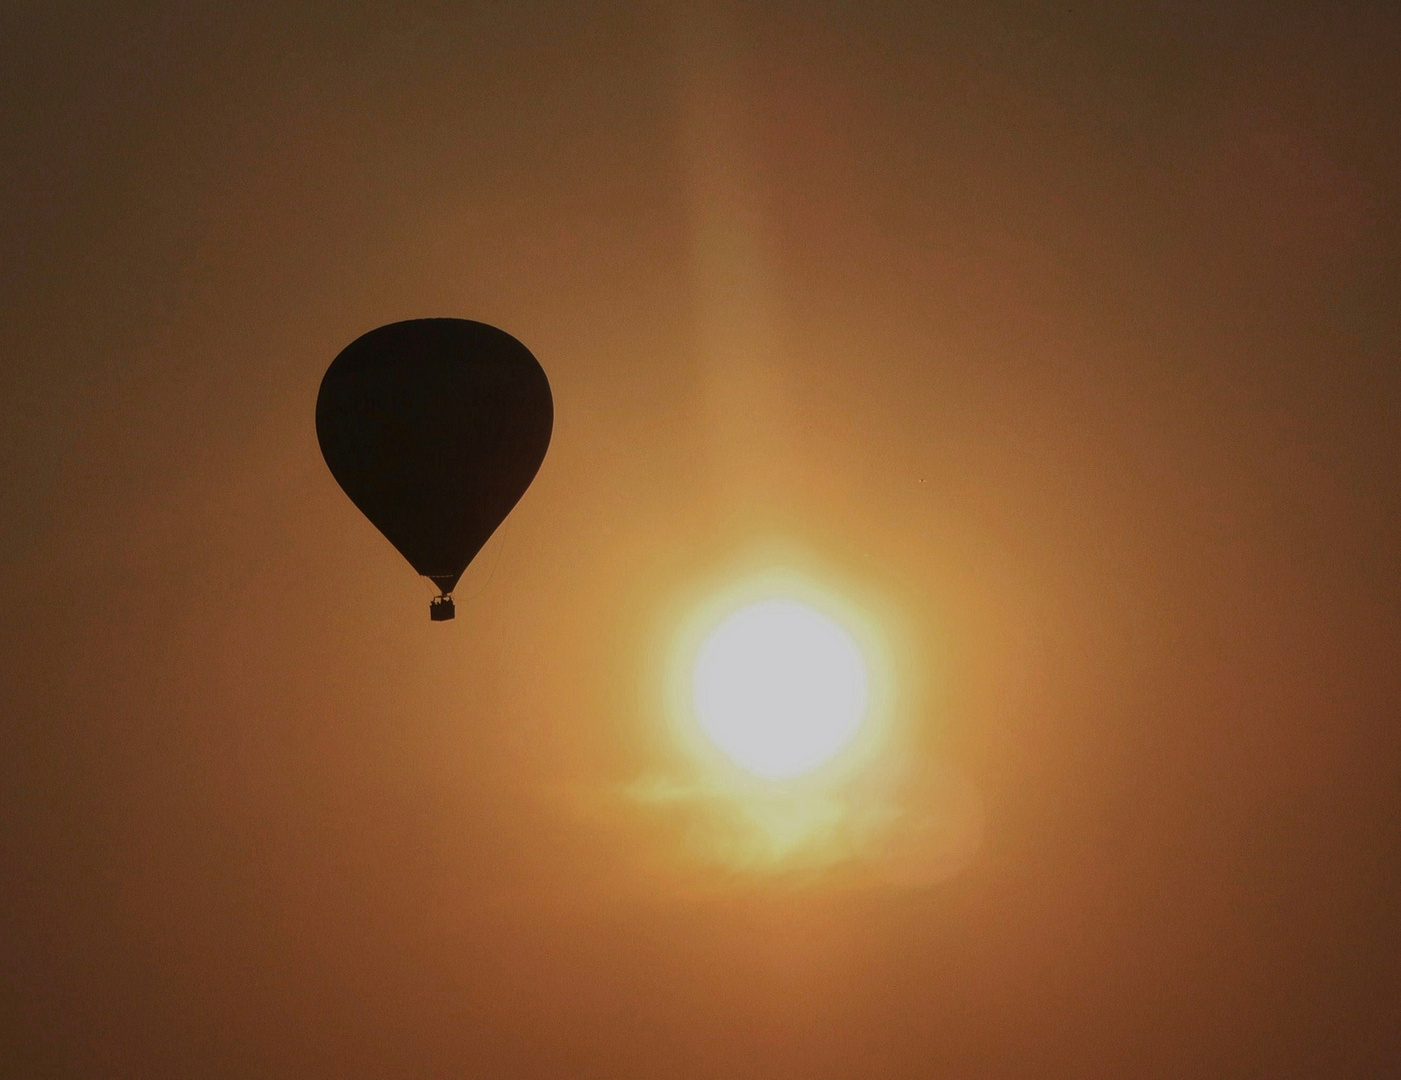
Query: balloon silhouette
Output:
(435,428)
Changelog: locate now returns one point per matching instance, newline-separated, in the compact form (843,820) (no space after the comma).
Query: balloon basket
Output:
(441,609)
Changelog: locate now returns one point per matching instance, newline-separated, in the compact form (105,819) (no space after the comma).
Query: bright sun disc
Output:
(780,688)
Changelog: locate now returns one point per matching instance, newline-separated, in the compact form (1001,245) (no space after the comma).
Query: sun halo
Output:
(780,688)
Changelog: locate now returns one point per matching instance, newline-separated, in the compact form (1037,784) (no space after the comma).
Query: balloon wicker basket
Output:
(441,609)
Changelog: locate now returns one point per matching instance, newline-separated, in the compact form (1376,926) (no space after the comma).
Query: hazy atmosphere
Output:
(1054,353)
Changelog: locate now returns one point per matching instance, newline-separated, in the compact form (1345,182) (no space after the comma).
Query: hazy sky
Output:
(1059,343)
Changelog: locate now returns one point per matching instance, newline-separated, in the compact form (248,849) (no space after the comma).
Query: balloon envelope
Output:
(435,428)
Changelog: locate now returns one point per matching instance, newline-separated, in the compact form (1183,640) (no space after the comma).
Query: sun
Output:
(780,688)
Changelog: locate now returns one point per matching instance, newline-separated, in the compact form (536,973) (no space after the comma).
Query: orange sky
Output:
(1059,344)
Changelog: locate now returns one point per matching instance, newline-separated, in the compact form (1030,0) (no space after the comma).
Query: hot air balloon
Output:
(435,428)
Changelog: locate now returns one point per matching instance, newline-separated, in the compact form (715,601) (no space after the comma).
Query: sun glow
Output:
(779,691)
(780,688)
